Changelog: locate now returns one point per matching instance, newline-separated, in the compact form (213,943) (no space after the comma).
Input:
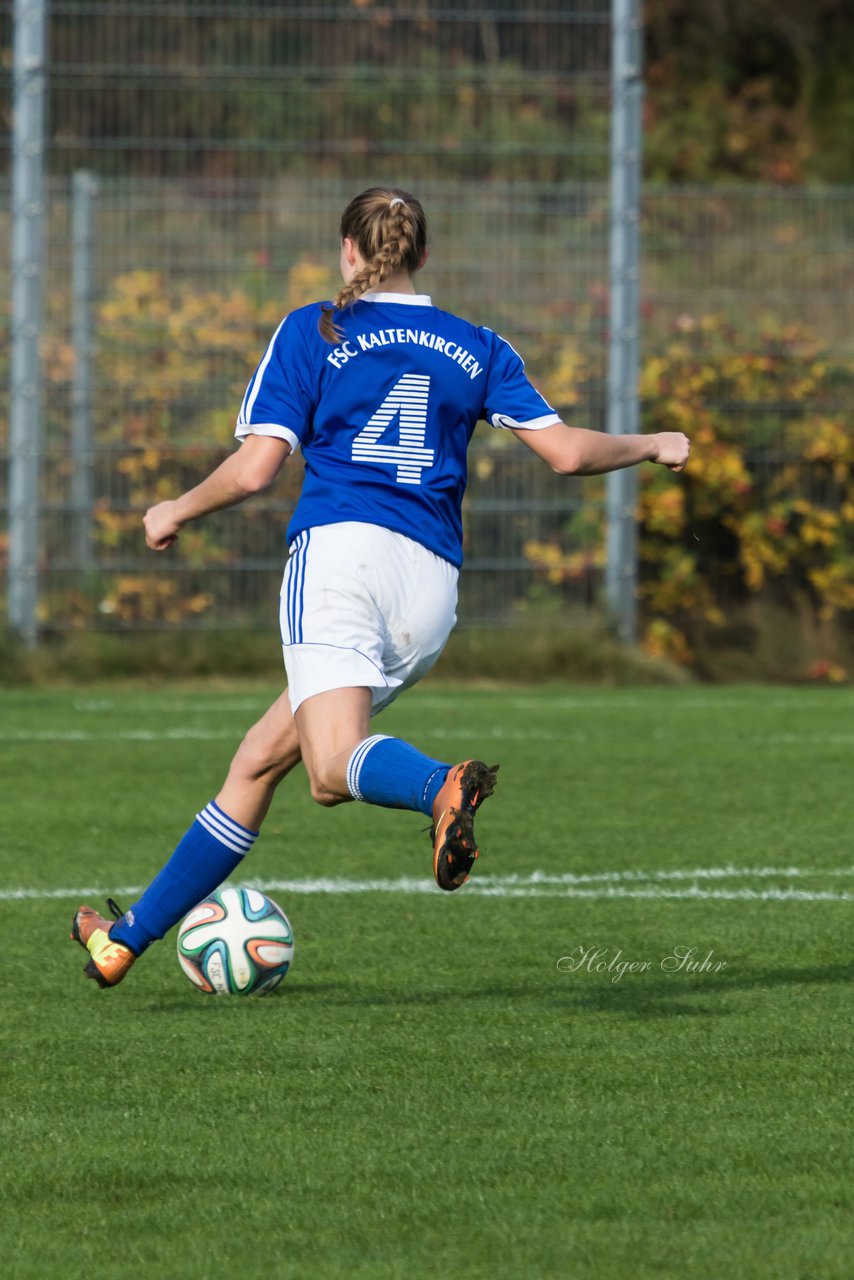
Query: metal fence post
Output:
(84,188)
(28,145)
(622,416)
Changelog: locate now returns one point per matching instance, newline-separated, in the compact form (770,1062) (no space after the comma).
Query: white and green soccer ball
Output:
(238,942)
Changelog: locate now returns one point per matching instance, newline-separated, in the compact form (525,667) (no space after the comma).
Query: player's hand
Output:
(161,527)
(673,449)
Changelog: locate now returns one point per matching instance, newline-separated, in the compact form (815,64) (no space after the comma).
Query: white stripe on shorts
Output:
(295,588)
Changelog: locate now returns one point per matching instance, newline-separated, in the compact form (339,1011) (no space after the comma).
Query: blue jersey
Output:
(384,417)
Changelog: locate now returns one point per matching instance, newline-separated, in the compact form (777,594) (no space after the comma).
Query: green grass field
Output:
(431,1093)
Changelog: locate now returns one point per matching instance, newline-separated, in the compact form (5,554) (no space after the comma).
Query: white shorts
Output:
(362,606)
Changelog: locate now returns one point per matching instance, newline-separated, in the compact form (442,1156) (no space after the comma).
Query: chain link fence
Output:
(186,283)
(246,87)
(223,140)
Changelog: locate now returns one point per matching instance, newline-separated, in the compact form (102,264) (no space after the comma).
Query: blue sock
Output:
(391,773)
(206,855)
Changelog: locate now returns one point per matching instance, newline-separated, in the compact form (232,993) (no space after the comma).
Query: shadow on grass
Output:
(675,995)
(662,996)
(679,995)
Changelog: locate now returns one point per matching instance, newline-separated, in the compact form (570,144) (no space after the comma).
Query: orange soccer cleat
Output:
(454,847)
(109,961)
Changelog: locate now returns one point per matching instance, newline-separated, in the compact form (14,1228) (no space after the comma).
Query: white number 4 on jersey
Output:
(408,398)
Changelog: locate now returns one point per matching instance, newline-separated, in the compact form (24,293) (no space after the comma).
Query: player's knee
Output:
(257,759)
(325,798)
(323,791)
(328,799)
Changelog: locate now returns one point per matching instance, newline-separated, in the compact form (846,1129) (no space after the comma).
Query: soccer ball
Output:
(236,943)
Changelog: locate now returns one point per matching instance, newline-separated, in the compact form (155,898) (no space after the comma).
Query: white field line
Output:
(663,885)
(566,702)
(498,732)
(118,735)
(141,703)
(807,698)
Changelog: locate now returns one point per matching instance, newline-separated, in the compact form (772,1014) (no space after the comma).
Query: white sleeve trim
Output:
(533,424)
(244,429)
(251,396)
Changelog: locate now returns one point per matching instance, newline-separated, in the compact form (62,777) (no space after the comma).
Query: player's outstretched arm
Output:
(574,451)
(251,469)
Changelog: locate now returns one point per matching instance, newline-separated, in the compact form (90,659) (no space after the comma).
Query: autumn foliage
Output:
(766,506)
(765,510)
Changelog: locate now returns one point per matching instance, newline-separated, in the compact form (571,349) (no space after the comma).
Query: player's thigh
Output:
(330,726)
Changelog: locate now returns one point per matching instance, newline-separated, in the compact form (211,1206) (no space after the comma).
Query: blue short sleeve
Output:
(279,400)
(510,400)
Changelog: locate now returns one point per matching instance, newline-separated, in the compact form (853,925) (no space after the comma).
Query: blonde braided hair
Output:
(389,229)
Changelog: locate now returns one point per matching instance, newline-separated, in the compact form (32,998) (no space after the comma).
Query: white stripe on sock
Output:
(229,844)
(357,759)
(236,829)
(240,842)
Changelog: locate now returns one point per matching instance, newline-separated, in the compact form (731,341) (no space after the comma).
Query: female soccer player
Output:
(382,391)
